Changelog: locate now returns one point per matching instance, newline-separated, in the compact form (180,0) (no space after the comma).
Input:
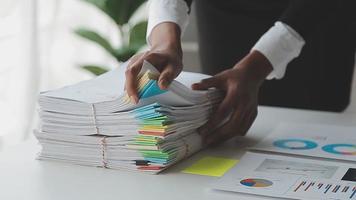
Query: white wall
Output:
(190,46)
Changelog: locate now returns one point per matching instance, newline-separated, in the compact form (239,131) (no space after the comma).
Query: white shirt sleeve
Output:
(280,44)
(160,11)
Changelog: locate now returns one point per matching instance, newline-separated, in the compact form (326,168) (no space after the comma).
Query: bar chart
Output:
(319,188)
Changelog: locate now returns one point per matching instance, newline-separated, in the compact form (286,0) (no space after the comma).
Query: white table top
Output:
(23,177)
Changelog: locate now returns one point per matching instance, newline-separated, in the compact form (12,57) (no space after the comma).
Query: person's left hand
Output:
(241,85)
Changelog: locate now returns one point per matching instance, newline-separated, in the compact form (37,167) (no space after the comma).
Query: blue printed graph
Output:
(340,149)
(295,144)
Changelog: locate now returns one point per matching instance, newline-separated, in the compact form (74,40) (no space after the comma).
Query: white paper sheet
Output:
(110,87)
(280,176)
(334,142)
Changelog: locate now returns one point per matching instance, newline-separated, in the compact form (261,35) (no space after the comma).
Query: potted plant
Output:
(133,35)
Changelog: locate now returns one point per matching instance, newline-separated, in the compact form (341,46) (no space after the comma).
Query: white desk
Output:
(23,177)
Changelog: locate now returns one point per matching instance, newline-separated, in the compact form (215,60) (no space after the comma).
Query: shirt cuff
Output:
(160,11)
(280,44)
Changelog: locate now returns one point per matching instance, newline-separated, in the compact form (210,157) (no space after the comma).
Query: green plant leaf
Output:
(125,53)
(97,38)
(138,35)
(119,10)
(96,70)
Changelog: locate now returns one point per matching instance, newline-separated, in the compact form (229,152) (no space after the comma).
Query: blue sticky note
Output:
(151,89)
(146,86)
(148,107)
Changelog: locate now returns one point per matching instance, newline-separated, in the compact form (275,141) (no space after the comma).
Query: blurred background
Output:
(40,50)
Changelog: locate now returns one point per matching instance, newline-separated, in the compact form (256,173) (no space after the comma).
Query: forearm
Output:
(164,11)
(255,67)
(166,36)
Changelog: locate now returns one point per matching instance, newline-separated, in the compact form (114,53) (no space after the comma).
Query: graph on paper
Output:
(297,168)
(291,177)
(323,141)
(309,188)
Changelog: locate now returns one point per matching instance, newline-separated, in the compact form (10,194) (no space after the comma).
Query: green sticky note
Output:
(211,166)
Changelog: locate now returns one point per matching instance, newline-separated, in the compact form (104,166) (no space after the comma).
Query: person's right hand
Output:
(165,55)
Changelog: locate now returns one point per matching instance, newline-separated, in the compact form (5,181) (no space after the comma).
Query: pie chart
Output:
(256,182)
(340,149)
(295,144)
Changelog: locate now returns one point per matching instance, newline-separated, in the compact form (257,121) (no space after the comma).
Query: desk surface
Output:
(23,177)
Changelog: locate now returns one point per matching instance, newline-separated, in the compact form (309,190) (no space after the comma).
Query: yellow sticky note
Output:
(211,166)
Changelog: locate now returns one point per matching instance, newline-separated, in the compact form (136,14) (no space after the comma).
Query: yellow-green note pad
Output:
(211,166)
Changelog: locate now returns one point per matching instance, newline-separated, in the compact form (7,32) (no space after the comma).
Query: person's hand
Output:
(165,55)
(241,85)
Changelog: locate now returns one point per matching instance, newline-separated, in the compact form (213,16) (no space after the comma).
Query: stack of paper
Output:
(94,123)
